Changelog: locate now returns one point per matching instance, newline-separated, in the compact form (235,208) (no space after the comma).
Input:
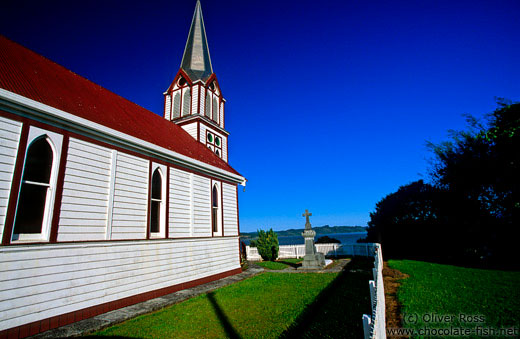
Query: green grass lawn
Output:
(268,305)
(451,290)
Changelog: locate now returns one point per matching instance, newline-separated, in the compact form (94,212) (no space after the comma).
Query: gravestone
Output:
(313,260)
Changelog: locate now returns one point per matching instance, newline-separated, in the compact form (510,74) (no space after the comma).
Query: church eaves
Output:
(196,61)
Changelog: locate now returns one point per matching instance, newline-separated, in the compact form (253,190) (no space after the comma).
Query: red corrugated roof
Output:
(31,75)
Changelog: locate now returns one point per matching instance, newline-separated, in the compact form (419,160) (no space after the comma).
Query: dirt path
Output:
(391,278)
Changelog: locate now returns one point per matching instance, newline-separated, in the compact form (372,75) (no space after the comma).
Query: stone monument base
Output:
(314,261)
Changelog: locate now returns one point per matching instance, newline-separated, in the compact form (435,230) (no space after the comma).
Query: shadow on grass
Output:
(228,328)
(108,336)
(337,310)
(292,264)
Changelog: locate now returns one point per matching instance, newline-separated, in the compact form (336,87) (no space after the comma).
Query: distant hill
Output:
(320,230)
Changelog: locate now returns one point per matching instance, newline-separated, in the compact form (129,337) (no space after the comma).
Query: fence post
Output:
(367,320)
(373,295)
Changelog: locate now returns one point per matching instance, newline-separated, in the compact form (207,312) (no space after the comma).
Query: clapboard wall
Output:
(129,214)
(83,212)
(38,282)
(101,253)
(105,194)
(9,140)
(191,129)
(201,206)
(229,204)
(181,204)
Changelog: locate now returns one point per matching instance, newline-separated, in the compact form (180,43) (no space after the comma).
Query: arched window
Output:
(33,201)
(215,110)
(208,105)
(186,102)
(214,209)
(176,106)
(156,202)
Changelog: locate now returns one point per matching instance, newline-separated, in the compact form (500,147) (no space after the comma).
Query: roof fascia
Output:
(24,106)
(213,77)
(176,78)
(195,117)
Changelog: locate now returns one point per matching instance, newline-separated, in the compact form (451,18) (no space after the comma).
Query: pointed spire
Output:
(196,61)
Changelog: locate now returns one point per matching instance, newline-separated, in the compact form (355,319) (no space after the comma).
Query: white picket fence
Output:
(329,250)
(374,326)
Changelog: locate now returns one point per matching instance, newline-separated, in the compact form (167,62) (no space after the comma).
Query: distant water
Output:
(345,238)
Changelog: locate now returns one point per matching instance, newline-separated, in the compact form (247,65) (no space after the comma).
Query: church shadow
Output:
(337,311)
(226,324)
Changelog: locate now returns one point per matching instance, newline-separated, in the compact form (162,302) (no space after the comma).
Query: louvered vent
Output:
(186,102)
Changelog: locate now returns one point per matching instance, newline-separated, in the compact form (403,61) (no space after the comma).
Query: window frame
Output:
(212,145)
(216,185)
(55,142)
(162,170)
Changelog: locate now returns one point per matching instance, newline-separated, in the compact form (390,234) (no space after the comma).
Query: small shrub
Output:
(267,245)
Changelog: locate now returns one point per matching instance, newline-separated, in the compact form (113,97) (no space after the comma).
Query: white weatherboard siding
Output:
(10,131)
(203,132)
(191,129)
(130,208)
(201,206)
(203,93)
(224,149)
(85,196)
(180,211)
(229,205)
(221,117)
(38,282)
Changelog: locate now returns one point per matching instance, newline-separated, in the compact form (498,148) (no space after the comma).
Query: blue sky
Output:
(329,104)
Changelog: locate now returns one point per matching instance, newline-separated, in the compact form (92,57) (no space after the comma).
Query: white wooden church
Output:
(104,204)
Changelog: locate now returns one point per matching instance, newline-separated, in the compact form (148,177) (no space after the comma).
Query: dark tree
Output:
(327,240)
(466,215)
(406,222)
(479,168)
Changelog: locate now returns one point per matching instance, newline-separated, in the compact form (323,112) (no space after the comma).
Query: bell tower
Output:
(194,100)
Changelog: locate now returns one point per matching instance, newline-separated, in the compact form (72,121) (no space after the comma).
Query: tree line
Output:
(468,211)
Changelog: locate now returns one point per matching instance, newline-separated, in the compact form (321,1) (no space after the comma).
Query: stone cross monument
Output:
(313,260)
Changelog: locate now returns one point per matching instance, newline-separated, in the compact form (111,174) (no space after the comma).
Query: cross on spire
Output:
(307,215)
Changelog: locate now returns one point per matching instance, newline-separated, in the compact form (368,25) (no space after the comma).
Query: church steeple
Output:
(194,100)
(196,61)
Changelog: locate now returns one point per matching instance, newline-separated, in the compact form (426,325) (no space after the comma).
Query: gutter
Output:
(29,108)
